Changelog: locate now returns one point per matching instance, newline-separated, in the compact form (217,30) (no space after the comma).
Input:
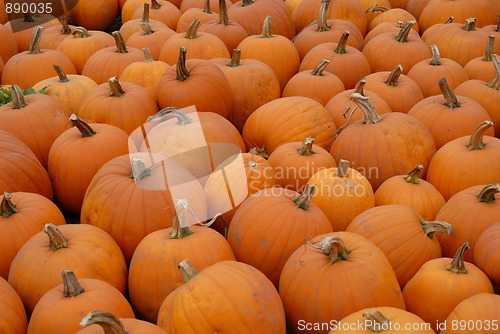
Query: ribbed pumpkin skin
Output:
(12,315)
(25,171)
(251,293)
(486,254)
(315,290)
(33,212)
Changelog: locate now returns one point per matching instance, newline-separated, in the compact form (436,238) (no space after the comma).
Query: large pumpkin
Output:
(13,318)
(486,255)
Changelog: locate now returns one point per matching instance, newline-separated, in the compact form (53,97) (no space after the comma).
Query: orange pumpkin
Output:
(393,27)
(150,38)
(13,316)
(132,26)
(482,68)
(54,35)
(99,322)
(95,15)
(24,27)
(9,48)
(203,14)
(161,10)
(486,256)
(388,14)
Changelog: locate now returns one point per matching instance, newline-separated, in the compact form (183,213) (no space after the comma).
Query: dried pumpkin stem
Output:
(451,100)
(18,101)
(115,87)
(376,8)
(71,286)
(266,27)
(109,322)
(235,58)
(260,151)
(187,270)
(192,31)
(497,29)
(488,52)
(414,175)
(370,113)
(304,200)
(155,4)
(392,79)
(206,7)
(181,70)
(436,57)
(7,208)
(145,13)
(495,83)
(139,169)
(436,226)
(60,73)
(334,248)
(146,28)
(405,31)
(343,168)
(35,41)
(306,147)
(320,68)
(487,194)
(476,139)
(450,20)
(342,44)
(470,24)
(377,321)
(120,42)
(457,265)
(322,21)
(182,117)
(81,32)
(359,87)
(85,129)
(223,16)
(57,240)
(148,57)
(65,28)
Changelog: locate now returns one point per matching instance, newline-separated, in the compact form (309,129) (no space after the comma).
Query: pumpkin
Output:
(13,316)
(256,231)
(150,38)
(153,271)
(482,68)
(253,295)
(393,27)
(436,27)
(22,215)
(36,119)
(458,280)
(38,61)
(54,35)
(129,8)
(465,162)
(130,27)
(342,193)
(436,68)
(486,254)
(449,116)
(334,275)
(388,14)
(23,28)
(22,169)
(409,144)
(68,89)
(125,105)
(398,227)
(95,15)
(412,191)
(151,197)
(188,4)
(253,83)
(102,322)
(161,10)
(369,4)
(73,298)
(203,14)
(9,48)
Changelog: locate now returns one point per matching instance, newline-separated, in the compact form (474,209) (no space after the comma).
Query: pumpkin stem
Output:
(487,194)
(333,247)
(449,95)
(320,68)
(65,29)
(148,57)
(235,58)
(393,78)
(476,139)
(436,226)
(377,321)
(146,28)
(405,31)
(306,148)
(181,70)
(260,151)
(322,21)
(497,29)
(488,52)
(116,88)
(187,270)
(457,265)
(27,18)
(155,4)
(80,124)
(450,20)
(18,101)
(343,168)
(304,199)
(436,57)
(35,41)
(192,31)
(342,44)
(60,73)
(7,208)
(81,32)
(71,286)
(470,24)
(180,228)
(359,87)
(266,27)
(376,8)
(109,322)
(414,175)
(182,117)
(145,13)
(139,169)
(206,7)
(495,83)
(120,42)
(57,240)
(223,16)
(369,111)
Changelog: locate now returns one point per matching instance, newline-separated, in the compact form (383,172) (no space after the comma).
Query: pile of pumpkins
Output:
(256,166)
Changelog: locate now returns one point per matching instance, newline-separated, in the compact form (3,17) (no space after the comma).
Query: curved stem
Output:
(322,20)
(306,147)
(18,101)
(120,42)
(223,17)
(81,32)
(414,175)
(146,28)
(370,113)
(155,4)
(139,169)
(476,139)
(182,117)
(192,31)
(320,68)
(393,78)
(187,270)
(343,168)
(71,286)
(57,240)
(495,83)
(334,248)
(35,41)
(115,87)
(65,29)
(359,87)
(145,13)
(235,58)
(376,8)
(60,73)
(487,194)
(405,31)
(148,57)
(436,57)
(266,27)
(470,24)
(85,129)
(109,322)
(7,208)
(436,226)
(304,199)
(260,151)
(342,44)
(449,95)
(488,52)
(181,70)
(457,265)
(377,321)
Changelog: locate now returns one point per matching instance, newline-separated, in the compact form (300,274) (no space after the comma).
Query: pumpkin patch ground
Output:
(249,166)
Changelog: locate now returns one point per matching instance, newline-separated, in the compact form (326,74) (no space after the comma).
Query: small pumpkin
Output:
(482,68)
